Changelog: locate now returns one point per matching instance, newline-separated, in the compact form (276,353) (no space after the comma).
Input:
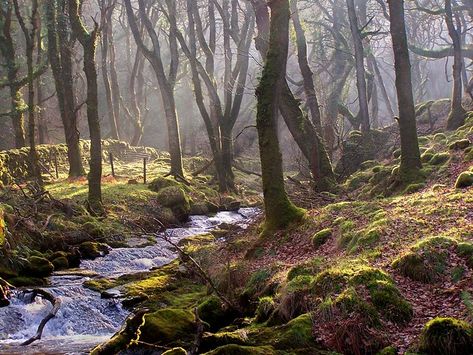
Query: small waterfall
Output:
(85,319)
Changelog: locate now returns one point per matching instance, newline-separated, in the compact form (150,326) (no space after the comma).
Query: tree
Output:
(410,155)
(456,117)
(88,40)
(279,210)
(60,44)
(166,82)
(302,129)
(360,67)
(30,39)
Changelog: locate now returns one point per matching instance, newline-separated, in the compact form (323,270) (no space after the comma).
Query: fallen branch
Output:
(55,301)
(186,257)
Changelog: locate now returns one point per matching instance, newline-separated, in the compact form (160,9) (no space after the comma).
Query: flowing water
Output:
(85,319)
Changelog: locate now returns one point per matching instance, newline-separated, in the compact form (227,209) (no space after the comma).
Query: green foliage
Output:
(446,336)
(266,307)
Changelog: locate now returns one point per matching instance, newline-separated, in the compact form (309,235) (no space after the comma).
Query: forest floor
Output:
(365,270)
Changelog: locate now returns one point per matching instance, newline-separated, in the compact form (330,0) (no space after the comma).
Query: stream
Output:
(85,319)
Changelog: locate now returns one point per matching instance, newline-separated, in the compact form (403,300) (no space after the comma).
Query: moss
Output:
(426,157)
(211,341)
(294,297)
(38,267)
(388,301)
(311,267)
(296,334)
(161,182)
(3,228)
(321,237)
(411,188)
(168,326)
(213,312)
(440,137)
(460,144)
(464,180)
(439,158)
(234,349)
(94,229)
(60,263)
(266,307)
(446,336)
(469,156)
(24,281)
(93,250)
(176,199)
(426,260)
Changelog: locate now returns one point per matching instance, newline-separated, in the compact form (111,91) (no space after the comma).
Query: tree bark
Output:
(60,58)
(279,209)
(88,40)
(456,117)
(410,155)
(360,67)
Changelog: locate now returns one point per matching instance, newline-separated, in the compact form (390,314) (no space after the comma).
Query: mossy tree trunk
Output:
(456,117)
(410,155)
(30,39)
(88,40)
(60,57)
(279,209)
(302,130)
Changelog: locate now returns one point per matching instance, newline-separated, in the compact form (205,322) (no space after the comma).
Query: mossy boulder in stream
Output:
(93,250)
(38,267)
(168,326)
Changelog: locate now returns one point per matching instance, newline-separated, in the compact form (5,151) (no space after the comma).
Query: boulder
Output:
(175,198)
(93,250)
(38,267)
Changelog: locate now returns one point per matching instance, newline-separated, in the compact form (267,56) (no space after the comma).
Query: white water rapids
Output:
(85,319)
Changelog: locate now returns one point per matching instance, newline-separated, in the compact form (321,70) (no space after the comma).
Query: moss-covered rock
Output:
(38,267)
(162,182)
(464,180)
(439,158)
(213,312)
(426,260)
(24,281)
(460,144)
(446,336)
(3,228)
(296,334)
(321,237)
(93,250)
(60,263)
(168,326)
(233,349)
(176,199)
(211,341)
(175,351)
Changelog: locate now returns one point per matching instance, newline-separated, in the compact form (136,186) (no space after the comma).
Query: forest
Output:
(241,177)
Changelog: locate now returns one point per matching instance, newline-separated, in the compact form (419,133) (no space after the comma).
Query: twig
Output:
(199,333)
(205,167)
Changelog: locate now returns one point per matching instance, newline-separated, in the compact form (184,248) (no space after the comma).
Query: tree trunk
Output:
(307,75)
(456,117)
(410,155)
(279,209)
(60,58)
(301,128)
(360,67)
(89,42)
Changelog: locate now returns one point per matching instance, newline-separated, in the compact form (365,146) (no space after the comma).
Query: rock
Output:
(130,302)
(446,336)
(60,263)
(93,250)
(175,351)
(213,312)
(167,326)
(230,203)
(73,258)
(212,207)
(4,302)
(199,209)
(234,349)
(23,281)
(109,294)
(38,267)
(161,183)
(175,198)
(132,182)
(460,144)
(464,180)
